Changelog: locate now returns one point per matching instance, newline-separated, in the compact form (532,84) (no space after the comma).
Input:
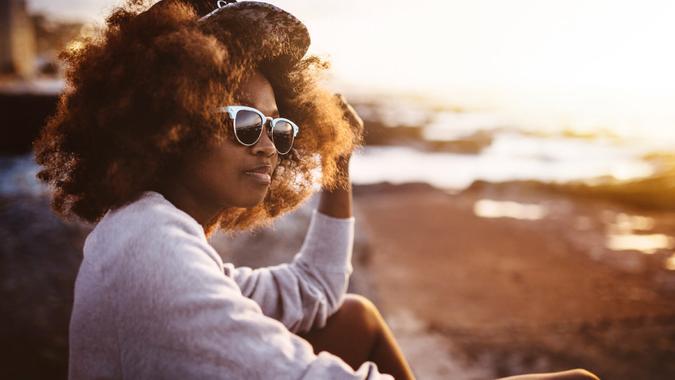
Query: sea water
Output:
(511,156)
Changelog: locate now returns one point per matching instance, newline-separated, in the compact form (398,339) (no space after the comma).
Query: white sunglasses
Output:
(248,122)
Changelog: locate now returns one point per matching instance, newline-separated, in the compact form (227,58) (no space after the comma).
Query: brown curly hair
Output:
(140,95)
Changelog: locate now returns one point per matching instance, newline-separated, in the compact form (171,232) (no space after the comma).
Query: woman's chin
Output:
(252,201)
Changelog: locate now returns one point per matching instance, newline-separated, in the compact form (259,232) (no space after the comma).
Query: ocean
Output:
(454,148)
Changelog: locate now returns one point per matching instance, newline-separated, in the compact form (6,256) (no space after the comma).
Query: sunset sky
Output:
(585,62)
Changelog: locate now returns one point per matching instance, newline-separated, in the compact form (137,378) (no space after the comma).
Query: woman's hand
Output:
(356,124)
(355,121)
(337,201)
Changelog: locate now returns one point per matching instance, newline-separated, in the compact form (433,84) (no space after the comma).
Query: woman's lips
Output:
(263,178)
(261,174)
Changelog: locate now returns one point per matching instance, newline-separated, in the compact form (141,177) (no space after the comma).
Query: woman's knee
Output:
(573,374)
(579,374)
(359,310)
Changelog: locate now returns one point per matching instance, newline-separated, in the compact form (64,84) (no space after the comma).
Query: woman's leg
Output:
(357,333)
(574,374)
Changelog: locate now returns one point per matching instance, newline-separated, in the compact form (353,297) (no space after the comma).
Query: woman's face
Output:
(228,174)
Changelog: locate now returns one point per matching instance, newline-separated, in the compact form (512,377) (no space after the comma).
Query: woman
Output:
(159,139)
(181,120)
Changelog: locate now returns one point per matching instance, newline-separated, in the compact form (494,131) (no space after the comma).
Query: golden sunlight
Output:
(575,64)
(587,64)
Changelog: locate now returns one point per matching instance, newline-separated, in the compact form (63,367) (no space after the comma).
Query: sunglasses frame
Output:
(232,112)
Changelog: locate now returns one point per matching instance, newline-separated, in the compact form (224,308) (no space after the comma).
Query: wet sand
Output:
(498,296)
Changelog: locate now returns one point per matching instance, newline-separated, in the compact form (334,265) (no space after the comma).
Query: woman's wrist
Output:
(342,179)
(336,201)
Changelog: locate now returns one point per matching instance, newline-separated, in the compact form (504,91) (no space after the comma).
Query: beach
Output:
(502,295)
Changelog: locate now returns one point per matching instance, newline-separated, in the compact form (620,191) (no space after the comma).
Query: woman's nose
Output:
(264,146)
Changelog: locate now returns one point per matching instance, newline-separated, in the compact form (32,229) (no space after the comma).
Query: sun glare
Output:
(585,64)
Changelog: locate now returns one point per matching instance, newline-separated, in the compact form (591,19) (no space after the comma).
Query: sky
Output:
(584,62)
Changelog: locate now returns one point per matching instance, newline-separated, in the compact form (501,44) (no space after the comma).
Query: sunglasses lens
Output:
(247,126)
(283,136)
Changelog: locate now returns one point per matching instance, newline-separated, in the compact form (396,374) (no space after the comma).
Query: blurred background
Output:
(515,197)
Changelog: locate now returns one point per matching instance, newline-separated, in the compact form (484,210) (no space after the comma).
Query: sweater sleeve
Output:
(179,316)
(304,293)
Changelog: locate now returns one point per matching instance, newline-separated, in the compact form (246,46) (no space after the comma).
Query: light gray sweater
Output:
(153,300)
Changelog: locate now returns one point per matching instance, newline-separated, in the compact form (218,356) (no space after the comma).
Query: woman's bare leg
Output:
(574,374)
(357,333)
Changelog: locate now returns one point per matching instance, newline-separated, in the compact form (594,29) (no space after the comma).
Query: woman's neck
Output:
(190,202)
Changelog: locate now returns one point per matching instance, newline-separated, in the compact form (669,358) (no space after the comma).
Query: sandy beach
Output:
(499,296)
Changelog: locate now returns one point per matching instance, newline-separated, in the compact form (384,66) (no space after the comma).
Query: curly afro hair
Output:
(140,94)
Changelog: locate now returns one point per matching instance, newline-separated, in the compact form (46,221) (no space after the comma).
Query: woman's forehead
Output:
(256,91)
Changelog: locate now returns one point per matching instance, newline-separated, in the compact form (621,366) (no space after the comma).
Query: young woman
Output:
(174,125)
(180,120)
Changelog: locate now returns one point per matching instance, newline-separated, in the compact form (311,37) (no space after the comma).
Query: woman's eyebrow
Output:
(245,102)
(249,103)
